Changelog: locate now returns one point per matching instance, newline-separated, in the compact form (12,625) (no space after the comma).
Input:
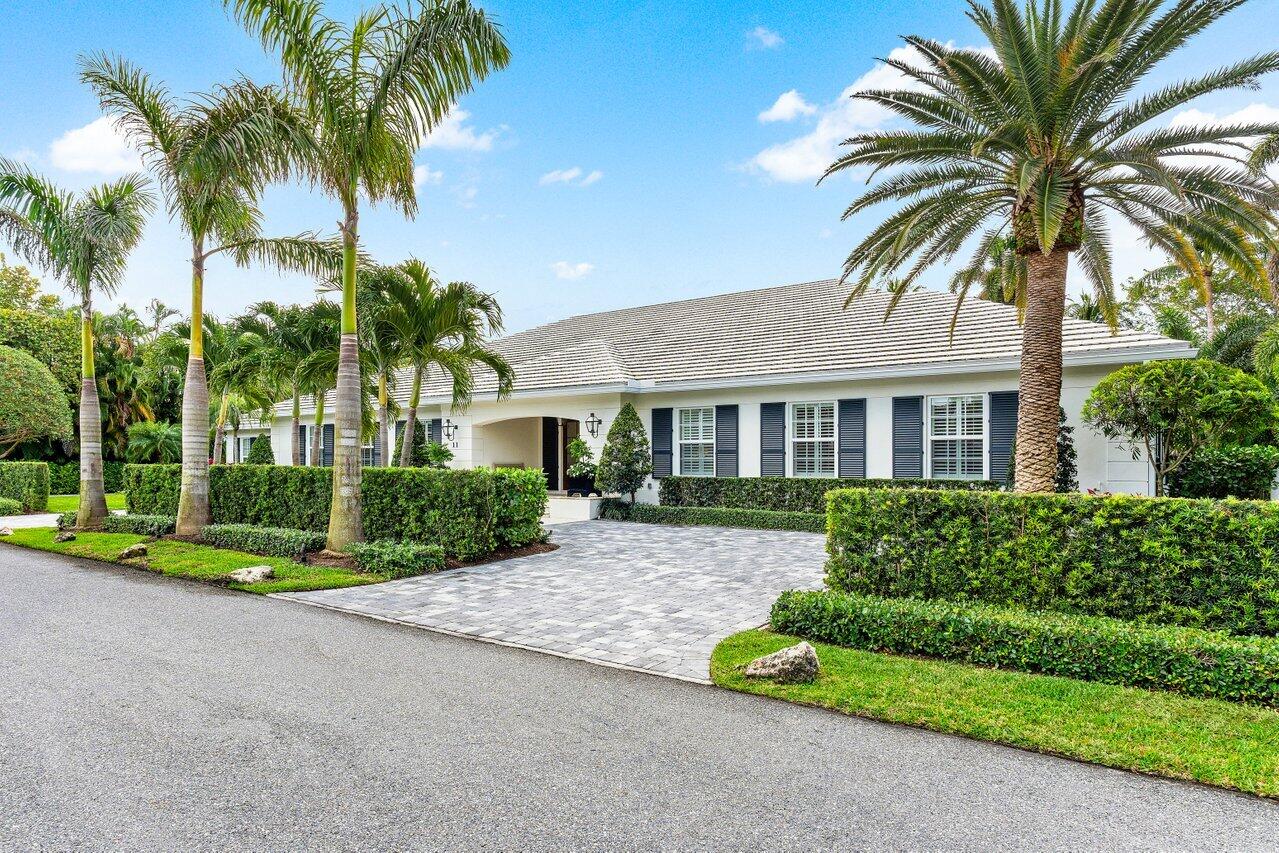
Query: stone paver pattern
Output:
(640,596)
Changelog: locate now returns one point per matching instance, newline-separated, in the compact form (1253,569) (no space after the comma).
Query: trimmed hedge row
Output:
(397,558)
(787,494)
(143,525)
(469,513)
(270,541)
(27,483)
(1199,663)
(64,477)
(758,519)
(1227,472)
(1197,563)
(8,506)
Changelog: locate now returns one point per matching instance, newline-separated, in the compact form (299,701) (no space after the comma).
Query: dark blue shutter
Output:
(725,441)
(301,446)
(435,430)
(1003,429)
(772,439)
(908,437)
(326,450)
(852,438)
(661,440)
(377,447)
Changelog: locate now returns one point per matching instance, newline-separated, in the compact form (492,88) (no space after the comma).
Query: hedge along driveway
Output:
(469,513)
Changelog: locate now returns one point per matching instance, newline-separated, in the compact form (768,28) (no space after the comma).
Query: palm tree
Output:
(442,326)
(212,157)
(998,273)
(154,441)
(380,343)
(1036,144)
(373,91)
(85,243)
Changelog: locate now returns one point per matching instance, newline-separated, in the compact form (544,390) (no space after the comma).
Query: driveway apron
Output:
(639,596)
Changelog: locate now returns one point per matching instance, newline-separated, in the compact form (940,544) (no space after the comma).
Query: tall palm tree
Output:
(373,91)
(380,342)
(1036,144)
(212,157)
(445,327)
(85,243)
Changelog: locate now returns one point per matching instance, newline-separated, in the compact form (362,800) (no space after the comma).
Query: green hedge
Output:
(270,541)
(1229,472)
(1199,663)
(27,483)
(143,525)
(469,513)
(64,477)
(1203,564)
(786,494)
(397,558)
(687,516)
(8,506)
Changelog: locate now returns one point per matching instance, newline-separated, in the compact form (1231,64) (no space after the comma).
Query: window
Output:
(813,439)
(697,442)
(245,445)
(366,455)
(956,437)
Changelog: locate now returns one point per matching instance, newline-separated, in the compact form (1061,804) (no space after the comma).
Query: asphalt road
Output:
(140,712)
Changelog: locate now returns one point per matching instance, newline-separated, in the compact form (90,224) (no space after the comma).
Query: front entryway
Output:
(640,596)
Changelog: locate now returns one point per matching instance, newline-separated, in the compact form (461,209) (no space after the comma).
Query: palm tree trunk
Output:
(93,497)
(193,500)
(346,516)
(410,422)
(317,440)
(1039,382)
(385,460)
(1209,307)
(235,444)
(219,432)
(294,442)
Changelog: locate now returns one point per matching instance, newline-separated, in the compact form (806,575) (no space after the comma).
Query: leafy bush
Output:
(1196,563)
(687,516)
(67,521)
(455,509)
(260,452)
(520,500)
(785,494)
(271,496)
(627,458)
(1227,472)
(397,558)
(1207,664)
(33,406)
(154,441)
(27,483)
(152,489)
(270,541)
(142,525)
(8,506)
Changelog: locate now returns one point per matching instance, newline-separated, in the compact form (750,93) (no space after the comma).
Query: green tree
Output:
(1209,287)
(260,452)
(1236,340)
(20,290)
(122,378)
(33,405)
(372,91)
(582,459)
(626,459)
(84,242)
(1172,408)
(212,157)
(1034,145)
(52,338)
(154,441)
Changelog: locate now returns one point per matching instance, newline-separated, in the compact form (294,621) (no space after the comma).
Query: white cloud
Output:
(570,176)
(454,134)
(788,106)
(466,196)
(805,158)
(1251,114)
(422,175)
(762,38)
(97,147)
(563,269)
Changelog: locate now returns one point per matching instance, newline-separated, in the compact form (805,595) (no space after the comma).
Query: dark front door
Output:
(551,452)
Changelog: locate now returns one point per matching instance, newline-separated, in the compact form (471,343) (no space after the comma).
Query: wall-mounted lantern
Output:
(593,425)
(450,429)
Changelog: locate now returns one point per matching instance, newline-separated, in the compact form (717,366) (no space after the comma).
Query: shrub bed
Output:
(64,477)
(271,496)
(397,558)
(67,520)
(152,489)
(27,483)
(454,509)
(271,541)
(1197,563)
(8,506)
(758,519)
(143,525)
(520,499)
(1206,664)
(786,494)
(1229,472)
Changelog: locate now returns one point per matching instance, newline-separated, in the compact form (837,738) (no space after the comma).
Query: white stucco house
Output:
(782,381)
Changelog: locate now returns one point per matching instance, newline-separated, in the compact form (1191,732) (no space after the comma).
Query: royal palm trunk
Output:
(387,450)
(295,442)
(346,517)
(317,440)
(93,497)
(193,500)
(219,432)
(1039,381)
(410,421)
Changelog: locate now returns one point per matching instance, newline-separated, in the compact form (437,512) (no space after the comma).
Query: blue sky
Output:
(631,153)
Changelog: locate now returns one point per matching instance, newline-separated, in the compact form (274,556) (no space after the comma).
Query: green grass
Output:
(71,503)
(196,562)
(1219,743)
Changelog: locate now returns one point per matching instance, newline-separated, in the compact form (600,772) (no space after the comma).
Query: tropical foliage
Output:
(32,406)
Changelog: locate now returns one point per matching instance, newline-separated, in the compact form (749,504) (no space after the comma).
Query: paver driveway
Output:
(641,596)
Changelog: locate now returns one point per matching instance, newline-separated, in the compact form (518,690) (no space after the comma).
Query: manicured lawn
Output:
(71,503)
(197,562)
(1218,743)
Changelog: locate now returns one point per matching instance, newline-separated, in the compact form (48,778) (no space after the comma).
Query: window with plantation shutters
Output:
(813,439)
(697,442)
(956,437)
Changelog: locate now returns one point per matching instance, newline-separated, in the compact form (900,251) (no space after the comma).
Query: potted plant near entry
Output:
(581,474)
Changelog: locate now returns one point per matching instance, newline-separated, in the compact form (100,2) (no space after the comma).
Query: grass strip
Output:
(195,562)
(71,503)
(1204,740)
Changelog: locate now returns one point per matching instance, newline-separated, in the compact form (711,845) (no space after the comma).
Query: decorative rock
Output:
(6,531)
(252,574)
(791,665)
(65,536)
(133,551)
